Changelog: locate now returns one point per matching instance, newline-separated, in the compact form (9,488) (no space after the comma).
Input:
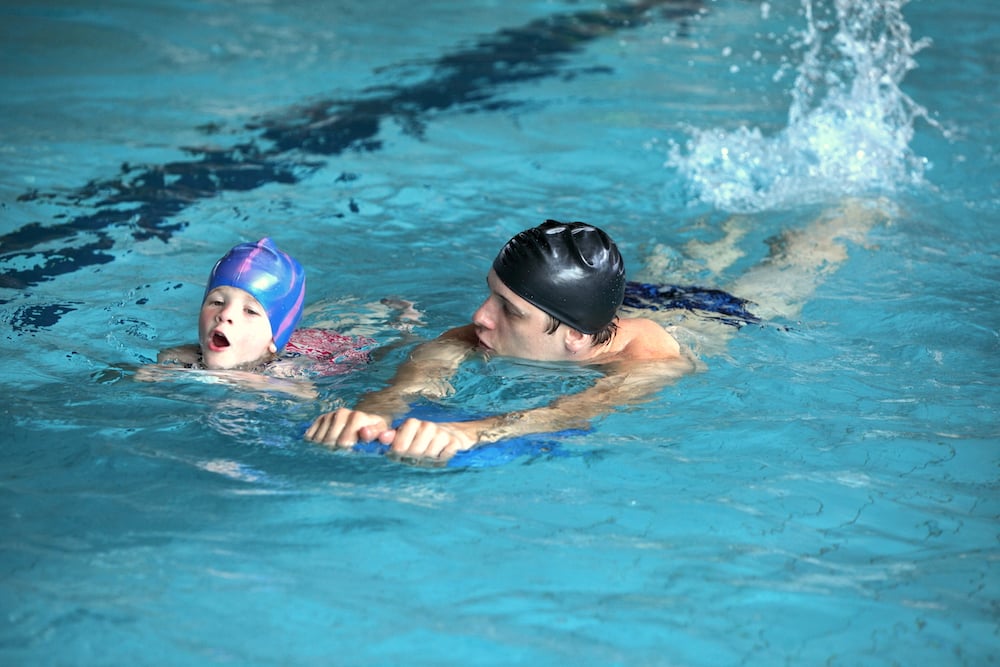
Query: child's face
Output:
(233,329)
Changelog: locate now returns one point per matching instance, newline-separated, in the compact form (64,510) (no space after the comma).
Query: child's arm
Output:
(242,379)
(260,382)
(185,355)
(188,355)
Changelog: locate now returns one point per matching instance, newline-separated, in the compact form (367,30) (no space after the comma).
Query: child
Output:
(252,304)
(247,328)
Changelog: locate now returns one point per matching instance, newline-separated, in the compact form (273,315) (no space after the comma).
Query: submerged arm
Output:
(182,354)
(426,373)
(625,384)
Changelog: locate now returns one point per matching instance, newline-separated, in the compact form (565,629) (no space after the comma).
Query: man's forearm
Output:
(389,403)
(548,419)
(573,411)
(426,373)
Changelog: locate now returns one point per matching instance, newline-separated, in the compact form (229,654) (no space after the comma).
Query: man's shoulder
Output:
(643,326)
(463,334)
(452,344)
(642,338)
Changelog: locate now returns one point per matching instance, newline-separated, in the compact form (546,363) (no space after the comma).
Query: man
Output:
(554,295)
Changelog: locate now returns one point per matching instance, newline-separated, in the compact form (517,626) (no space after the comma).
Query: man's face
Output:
(510,326)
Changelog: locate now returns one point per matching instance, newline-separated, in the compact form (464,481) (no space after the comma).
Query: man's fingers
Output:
(317,430)
(372,432)
(343,427)
(420,439)
(410,438)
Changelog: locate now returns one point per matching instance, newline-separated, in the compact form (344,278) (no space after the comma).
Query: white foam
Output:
(849,123)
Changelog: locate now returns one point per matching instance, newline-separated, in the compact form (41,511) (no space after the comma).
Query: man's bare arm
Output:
(427,372)
(625,384)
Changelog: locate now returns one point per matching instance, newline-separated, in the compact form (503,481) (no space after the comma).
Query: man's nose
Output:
(482,318)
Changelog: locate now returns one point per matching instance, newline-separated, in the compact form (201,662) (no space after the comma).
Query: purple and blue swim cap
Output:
(271,276)
(571,270)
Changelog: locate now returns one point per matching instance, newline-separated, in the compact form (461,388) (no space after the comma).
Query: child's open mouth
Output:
(219,340)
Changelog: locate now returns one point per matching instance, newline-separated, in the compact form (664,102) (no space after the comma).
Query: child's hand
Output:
(406,315)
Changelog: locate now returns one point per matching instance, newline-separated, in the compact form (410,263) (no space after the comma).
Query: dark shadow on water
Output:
(290,145)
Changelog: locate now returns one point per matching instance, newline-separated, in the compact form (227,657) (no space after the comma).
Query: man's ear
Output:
(574,340)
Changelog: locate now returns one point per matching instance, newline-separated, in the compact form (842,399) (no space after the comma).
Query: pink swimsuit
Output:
(339,353)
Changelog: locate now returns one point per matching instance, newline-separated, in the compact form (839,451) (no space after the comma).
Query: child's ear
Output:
(272,347)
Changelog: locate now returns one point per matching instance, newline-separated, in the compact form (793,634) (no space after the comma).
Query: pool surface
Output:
(823,492)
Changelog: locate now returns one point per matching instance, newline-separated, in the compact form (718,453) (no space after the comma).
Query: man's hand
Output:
(429,441)
(413,439)
(344,428)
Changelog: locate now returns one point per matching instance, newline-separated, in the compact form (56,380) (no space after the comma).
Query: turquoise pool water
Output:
(824,493)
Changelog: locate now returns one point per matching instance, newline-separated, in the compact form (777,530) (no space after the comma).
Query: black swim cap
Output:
(571,270)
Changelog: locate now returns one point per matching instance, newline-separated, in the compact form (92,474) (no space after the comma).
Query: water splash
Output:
(849,123)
